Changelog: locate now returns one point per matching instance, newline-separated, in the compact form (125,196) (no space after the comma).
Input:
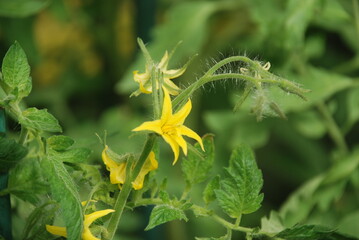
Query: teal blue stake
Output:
(5,206)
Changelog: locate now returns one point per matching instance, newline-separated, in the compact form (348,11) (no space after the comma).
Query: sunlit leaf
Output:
(16,72)
(165,213)
(239,192)
(40,120)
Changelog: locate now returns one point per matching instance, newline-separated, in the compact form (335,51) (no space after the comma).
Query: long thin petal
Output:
(154,126)
(90,218)
(164,61)
(172,88)
(179,139)
(166,108)
(174,73)
(174,145)
(183,130)
(180,116)
(59,231)
(140,77)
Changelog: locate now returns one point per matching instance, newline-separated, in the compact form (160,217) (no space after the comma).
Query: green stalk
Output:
(127,187)
(5,205)
(333,128)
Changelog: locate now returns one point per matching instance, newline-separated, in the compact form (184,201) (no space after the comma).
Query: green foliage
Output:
(10,153)
(165,213)
(26,181)
(209,194)
(42,215)
(239,191)
(40,120)
(21,8)
(16,72)
(64,190)
(197,165)
(59,142)
(311,232)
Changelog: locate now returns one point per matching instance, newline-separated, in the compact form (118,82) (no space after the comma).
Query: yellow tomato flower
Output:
(144,79)
(118,170)
(86,233)
(171,127)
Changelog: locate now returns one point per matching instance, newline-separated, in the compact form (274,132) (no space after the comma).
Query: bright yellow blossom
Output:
(118,170)
(144,79)
(86,233)
(170,126)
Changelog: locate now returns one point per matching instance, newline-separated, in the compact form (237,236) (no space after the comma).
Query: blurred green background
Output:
(82,54)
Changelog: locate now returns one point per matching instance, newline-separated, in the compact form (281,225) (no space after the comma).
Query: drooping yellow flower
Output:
(170,126)
(118,170)
(144,79)
(86,233)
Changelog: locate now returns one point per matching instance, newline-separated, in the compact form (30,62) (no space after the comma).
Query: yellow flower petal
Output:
(174,73)
(166,108)
(90,218)
(180,116)
(174,145)
(181,142)
(107,160)
(190,133)
(172,88)
(118,174)
(59,231)
(164,61)
(154,126)
(150,165)
(141,77)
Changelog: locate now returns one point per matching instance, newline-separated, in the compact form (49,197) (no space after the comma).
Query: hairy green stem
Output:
(127,187)
(333,128)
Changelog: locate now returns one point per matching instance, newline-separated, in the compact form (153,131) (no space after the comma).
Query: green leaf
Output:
(196,168)
(10,153)
(21,8)
(35,222)
(40,120)
(209,194)
(312,232)
(273,224)
(26,181)
(59,142)
(64,191)
(76,155)
(16,72)
(165,213)
(239,192)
